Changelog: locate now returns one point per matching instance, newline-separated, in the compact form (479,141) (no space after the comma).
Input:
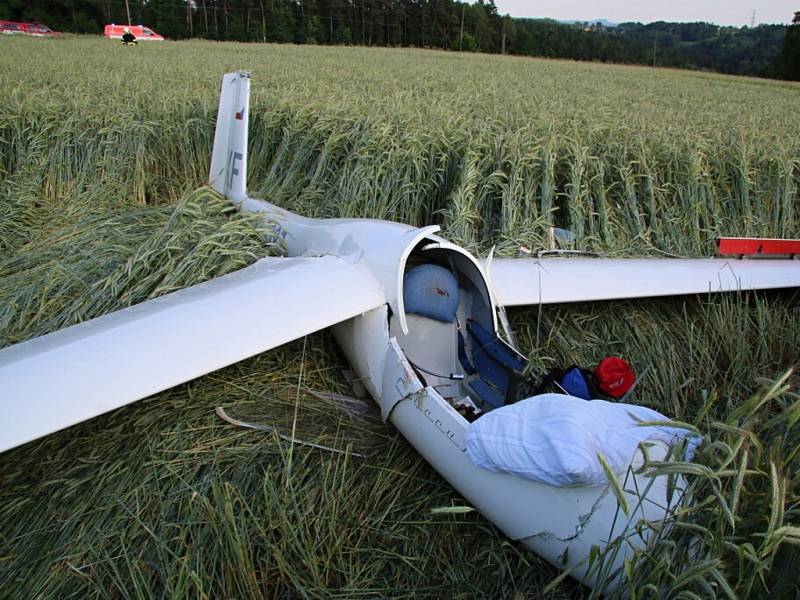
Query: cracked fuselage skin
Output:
(558,523)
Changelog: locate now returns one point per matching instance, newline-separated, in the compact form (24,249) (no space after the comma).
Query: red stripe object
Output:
(756,246)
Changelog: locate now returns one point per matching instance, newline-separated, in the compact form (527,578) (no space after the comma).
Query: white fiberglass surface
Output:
(432,349)
(555,280)
(72,375)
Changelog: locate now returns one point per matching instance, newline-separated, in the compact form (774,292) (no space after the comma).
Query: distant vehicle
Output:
(35,29)
(142,33)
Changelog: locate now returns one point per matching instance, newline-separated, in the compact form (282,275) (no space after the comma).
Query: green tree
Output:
(79,16)
(343,35)
(788,61)
(314,32)
(469,45)
(167,17)
(282,27)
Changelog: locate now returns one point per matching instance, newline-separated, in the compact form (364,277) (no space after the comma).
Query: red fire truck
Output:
(37,29)
(142,33)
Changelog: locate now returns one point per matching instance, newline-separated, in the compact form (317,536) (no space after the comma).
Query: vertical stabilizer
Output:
(229,159)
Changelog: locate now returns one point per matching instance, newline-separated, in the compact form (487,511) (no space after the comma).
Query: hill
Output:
(743,51)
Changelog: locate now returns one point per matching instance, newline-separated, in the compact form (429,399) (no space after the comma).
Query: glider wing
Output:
(57,380)
(518,282)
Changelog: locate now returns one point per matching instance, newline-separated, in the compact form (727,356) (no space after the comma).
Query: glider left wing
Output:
(522,281)
(68,376)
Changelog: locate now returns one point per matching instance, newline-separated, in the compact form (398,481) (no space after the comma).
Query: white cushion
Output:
(555,438)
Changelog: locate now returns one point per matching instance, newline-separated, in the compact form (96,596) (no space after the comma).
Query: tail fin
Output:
(229,159)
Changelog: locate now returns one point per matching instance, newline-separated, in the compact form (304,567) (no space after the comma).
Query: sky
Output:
(721,12)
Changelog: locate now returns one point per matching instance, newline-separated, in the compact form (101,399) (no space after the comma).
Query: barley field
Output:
(104,152)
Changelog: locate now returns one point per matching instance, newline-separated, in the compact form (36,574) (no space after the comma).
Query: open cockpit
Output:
(451,342)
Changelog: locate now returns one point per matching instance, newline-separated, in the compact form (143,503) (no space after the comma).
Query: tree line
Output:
(770,50)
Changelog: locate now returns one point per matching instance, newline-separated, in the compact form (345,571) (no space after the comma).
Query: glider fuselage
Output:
(383,249)
(410,365)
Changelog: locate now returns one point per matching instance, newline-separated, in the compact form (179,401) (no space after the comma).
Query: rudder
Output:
(229,158)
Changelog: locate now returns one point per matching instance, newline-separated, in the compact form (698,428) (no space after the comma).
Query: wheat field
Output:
(104,152)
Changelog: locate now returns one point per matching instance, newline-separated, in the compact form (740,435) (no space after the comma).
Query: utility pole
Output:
(753,19)
(503,45)
(189,23)
(128,11)
(461,42)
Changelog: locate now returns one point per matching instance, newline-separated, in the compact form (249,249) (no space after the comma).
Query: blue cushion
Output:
(498,367)
(431,291)
(486,393)
(488,343)
(574,383)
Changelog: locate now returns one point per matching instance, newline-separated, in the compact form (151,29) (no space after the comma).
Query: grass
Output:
(705,357)
(638,160)
(103,154)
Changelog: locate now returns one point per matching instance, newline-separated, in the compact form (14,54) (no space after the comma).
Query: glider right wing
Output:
(522,281)
(68,376)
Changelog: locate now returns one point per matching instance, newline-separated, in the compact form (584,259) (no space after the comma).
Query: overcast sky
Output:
(722,12)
